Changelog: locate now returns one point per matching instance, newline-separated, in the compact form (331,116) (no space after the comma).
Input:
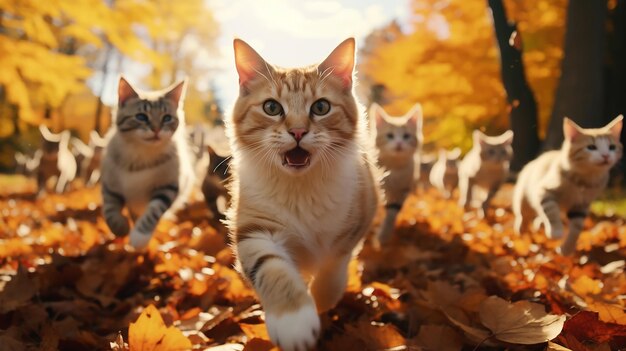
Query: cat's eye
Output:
(406,136)
(612,147)
(320,107)
(389,136)
(142,117)
(592,147)
(167,118)
(272,107)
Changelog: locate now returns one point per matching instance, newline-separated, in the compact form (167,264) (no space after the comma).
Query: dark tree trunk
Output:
(580,93)
(616,68)
(523,107)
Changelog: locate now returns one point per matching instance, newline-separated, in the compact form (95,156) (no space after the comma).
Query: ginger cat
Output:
(566,181)
(304,190)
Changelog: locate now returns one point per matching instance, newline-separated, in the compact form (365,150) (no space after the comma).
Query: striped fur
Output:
(398,139)
(295,224)
(566,181)
(484,169)
(146,165)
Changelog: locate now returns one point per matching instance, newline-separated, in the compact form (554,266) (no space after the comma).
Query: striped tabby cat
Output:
(567,180)
(304,192)
(146,165)
(484,169)
(397,141)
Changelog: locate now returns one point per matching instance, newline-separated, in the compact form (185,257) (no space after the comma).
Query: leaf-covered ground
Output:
(67,284)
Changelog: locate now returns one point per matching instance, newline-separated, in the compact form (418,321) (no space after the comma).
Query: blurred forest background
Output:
(472,64)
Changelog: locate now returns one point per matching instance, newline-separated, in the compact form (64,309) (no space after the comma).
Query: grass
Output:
(611,203)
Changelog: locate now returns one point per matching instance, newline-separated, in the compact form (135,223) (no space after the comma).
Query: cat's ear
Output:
(340,63)
(616,126)
(176,92)
(377,114)
(570,129)
(125,92)
(479,137)
(415,117)
(507,137)
(248,62)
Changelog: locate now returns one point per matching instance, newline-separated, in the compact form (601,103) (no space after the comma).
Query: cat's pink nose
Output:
(298,133)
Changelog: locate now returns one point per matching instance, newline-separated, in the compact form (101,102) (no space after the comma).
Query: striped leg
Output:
(162,199)
(389,223)
(290,314)
(550,214)
(112,204)
(576,223)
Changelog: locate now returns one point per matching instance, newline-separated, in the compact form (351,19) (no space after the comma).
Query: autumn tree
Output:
(580,94)
(449,61)
(522,103)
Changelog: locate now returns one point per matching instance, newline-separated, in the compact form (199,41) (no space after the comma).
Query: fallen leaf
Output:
(256,344)
(609,313)
(18,291)
(584,286)
(522,322)
(556,347)
(149,333)
(439,338)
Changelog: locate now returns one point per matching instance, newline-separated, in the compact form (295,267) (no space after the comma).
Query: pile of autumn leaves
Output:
(446,282)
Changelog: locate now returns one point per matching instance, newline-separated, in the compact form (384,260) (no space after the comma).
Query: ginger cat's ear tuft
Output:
(340,62)
(570,129)
(249,63)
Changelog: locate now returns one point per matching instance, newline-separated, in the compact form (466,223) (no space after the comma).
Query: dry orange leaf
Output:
(609,313)
(440,338)
(18,291)
(584,286)
(253,331)
(522,322)
(149,333)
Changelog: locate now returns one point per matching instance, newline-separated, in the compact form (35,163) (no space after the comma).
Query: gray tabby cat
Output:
(146,165)
(567,180)
(397,140)
(484,169)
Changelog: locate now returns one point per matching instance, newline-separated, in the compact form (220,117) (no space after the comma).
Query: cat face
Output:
(595,148)
(295,119)
(397,136)
(496,149)
(149,118)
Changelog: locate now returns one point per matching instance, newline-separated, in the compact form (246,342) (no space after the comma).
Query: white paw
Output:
(139,240)
(295,330)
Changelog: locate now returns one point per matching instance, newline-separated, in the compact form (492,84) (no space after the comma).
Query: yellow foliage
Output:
(449,62)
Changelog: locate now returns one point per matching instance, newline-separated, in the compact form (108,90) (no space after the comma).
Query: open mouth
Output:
(297,158)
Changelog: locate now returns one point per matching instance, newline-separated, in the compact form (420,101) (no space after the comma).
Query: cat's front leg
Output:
(465,192)
(576,223)
(551,216)
(161,199)
(290,313)
(330,282)
(487,202)
(112,204)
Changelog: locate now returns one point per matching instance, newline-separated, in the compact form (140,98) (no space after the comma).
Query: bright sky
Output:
(293,33)
(287,33)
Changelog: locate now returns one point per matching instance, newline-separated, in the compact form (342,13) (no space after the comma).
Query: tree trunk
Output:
(580,93)
(522,104)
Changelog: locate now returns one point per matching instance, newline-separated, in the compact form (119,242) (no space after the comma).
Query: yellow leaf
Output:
(609,313)
(522,322)
(149,333)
